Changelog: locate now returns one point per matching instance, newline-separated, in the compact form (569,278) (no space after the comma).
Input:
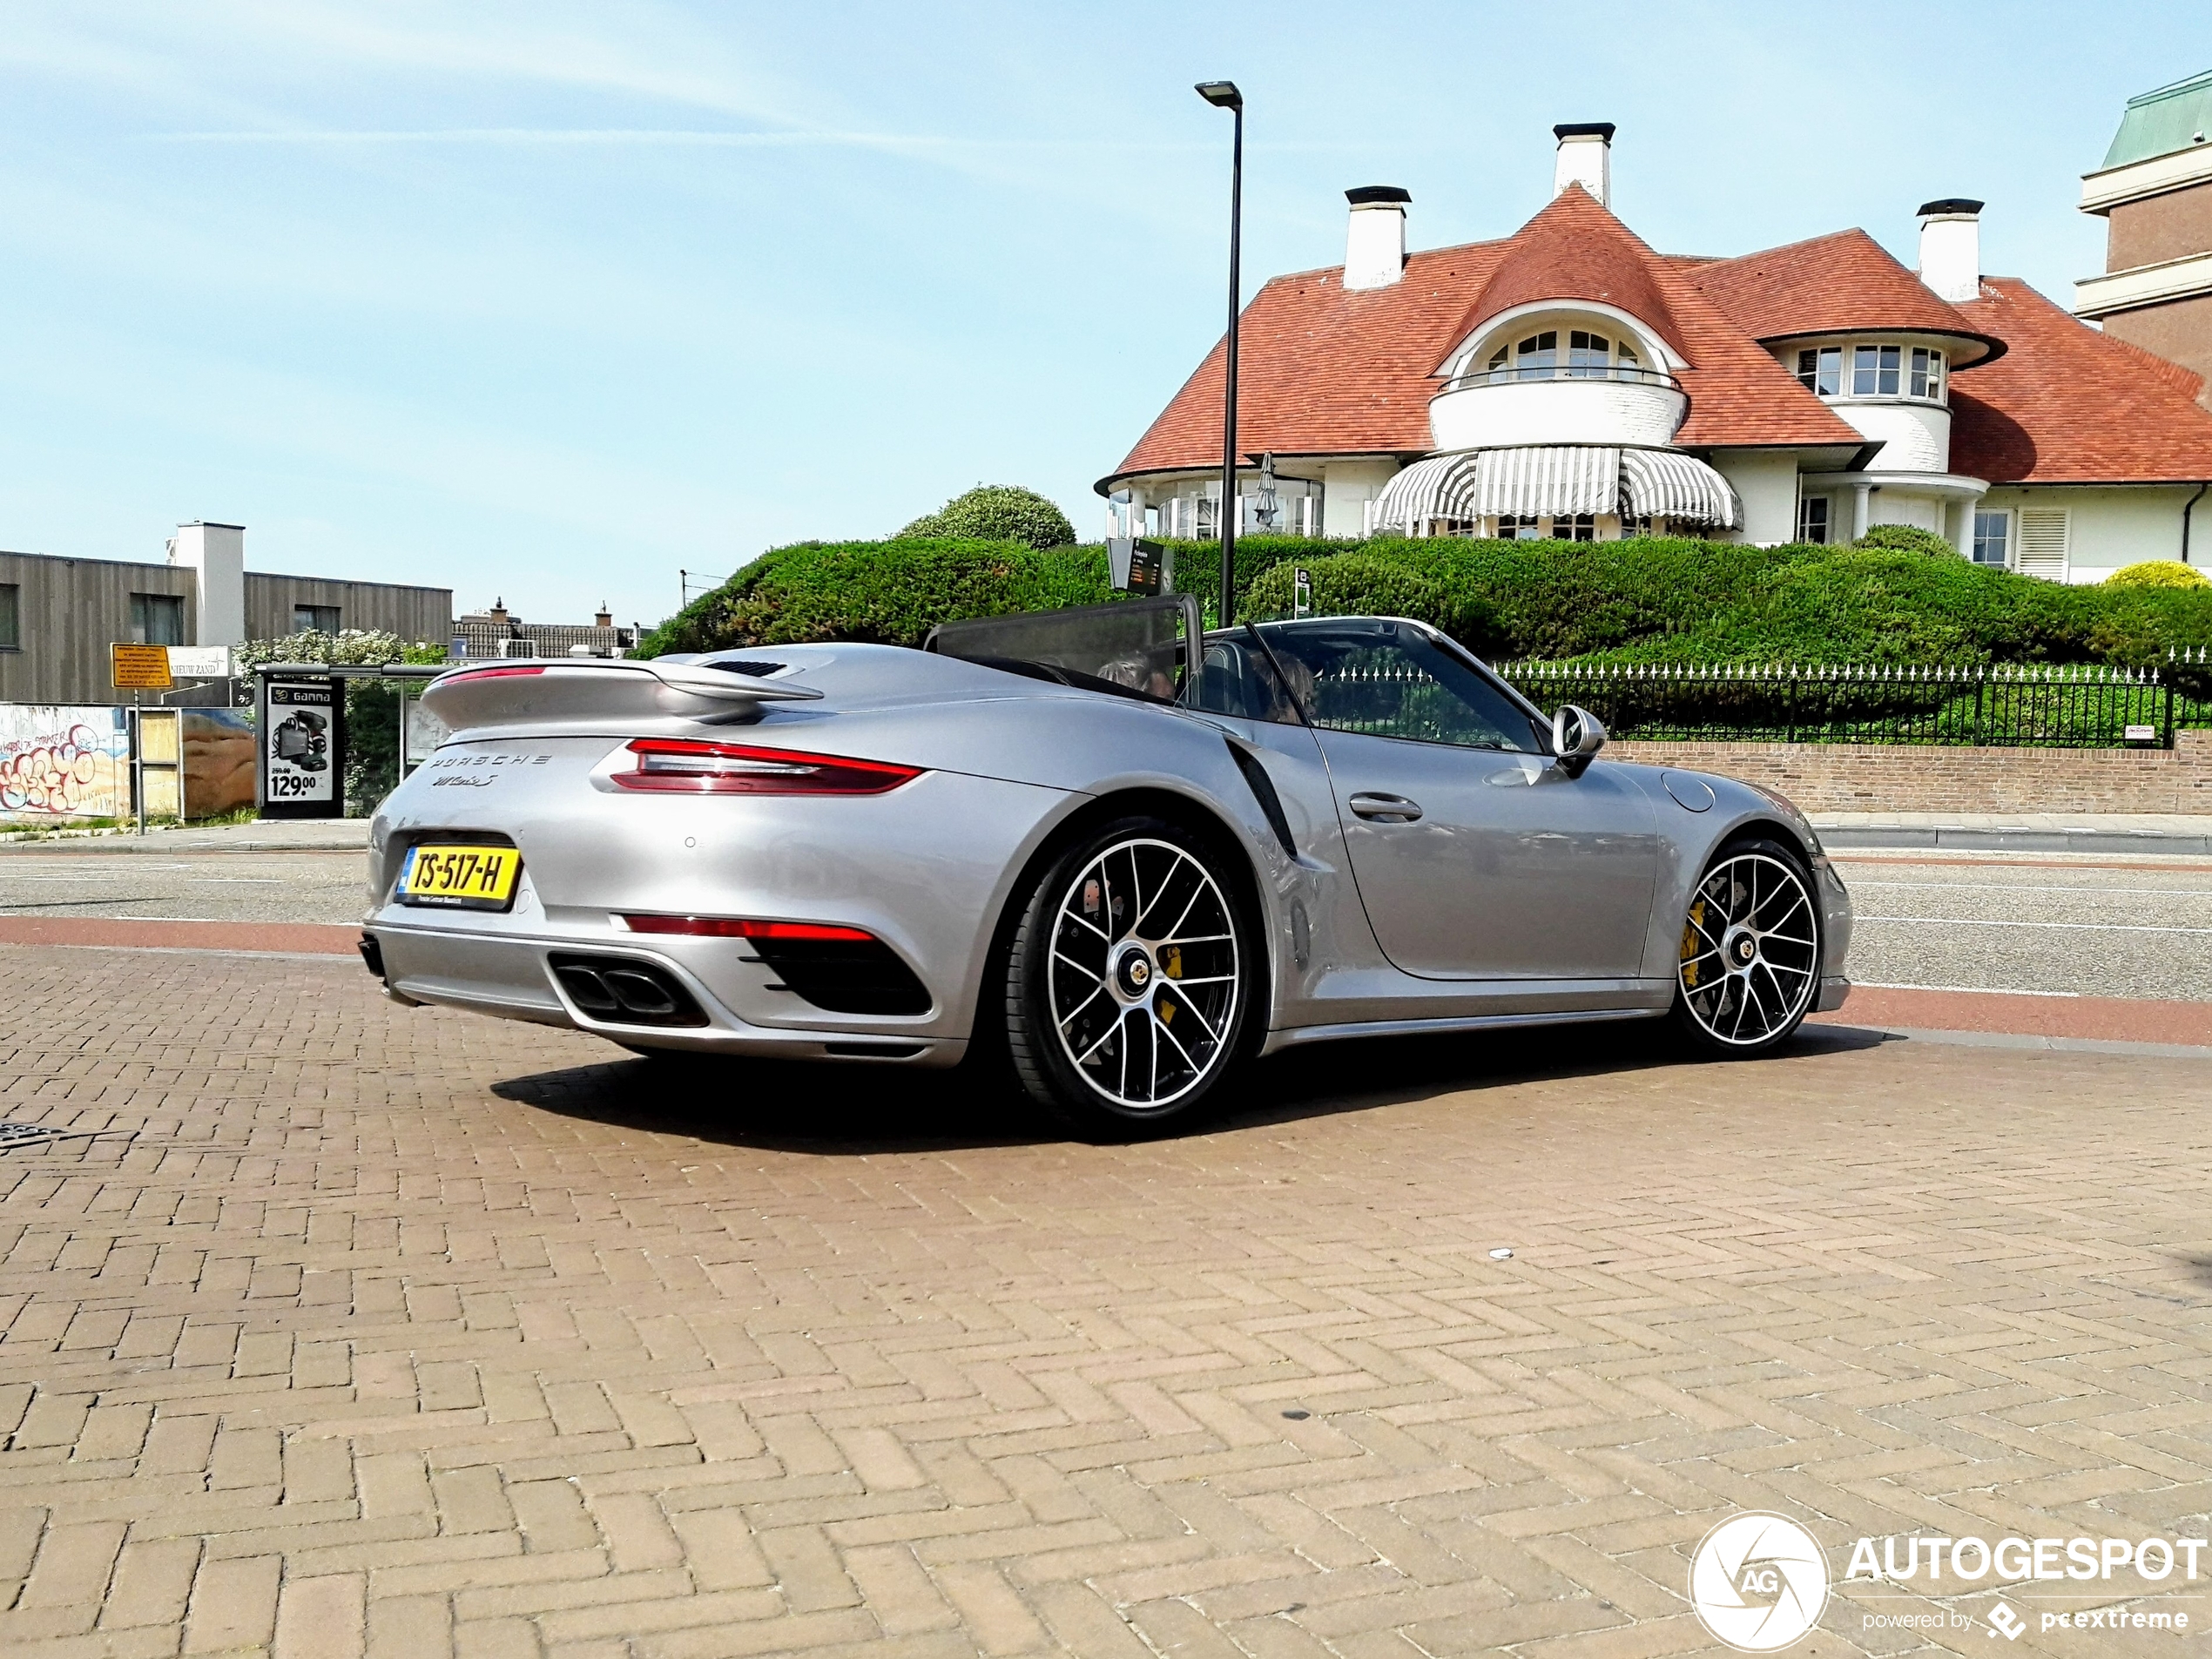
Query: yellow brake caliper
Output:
(1172,965)
(1689,944)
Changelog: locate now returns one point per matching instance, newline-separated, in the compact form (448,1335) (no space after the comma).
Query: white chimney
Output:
(1374,247)
(1585,159)
(1951,247)
(217,553)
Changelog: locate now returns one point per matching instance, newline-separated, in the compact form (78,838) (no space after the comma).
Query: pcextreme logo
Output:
(1758,1581)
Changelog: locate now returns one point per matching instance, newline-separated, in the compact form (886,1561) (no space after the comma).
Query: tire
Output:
(1131,980)
(1750,962)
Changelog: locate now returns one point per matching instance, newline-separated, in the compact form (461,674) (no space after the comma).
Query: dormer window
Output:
(1589,356)
(1874,371)
(1822,371)
(1871,370)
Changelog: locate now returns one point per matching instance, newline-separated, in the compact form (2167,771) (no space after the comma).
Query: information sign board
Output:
(1140,567)
(139,668)
(200,662)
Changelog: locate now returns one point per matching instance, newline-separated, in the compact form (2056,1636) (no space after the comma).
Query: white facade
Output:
(2096,530)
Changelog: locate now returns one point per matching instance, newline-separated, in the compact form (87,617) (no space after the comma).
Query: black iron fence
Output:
(2059,706)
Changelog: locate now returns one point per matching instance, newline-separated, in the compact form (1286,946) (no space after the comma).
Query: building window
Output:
(1632,527)
(1812,520)
(1993,538)
(10,617)
(1822,371)
(1582,527)
(1928,373)
(1587,355)
(321,619)
(1875,370)
(1538,355)
(157,619)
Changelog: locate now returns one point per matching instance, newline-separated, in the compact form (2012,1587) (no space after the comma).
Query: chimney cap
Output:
(1950,205)
(1368,195)
(1583,130)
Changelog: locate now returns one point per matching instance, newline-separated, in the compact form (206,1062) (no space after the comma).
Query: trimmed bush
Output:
(1903,538)
(1353,584)
(996,513)
(884,592)
(2157,573)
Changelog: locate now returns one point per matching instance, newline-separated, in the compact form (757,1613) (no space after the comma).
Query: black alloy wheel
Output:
(1750,962)
(1132,979)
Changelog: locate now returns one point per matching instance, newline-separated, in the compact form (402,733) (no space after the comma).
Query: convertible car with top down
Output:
(1129,854)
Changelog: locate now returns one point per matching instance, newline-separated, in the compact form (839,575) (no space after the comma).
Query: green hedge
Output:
(890,592)
(1694,602)
(1675,601)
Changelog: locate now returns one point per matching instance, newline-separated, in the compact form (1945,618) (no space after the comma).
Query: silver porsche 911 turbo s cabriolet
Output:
(1127,852)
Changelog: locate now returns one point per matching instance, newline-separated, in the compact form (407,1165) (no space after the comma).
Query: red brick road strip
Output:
(2102,1019)
(2098,1018)
(289,937)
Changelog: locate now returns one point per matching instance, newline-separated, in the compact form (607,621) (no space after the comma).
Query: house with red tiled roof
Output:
(1569,380)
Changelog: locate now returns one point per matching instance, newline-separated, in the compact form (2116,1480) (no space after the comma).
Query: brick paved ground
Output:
(362,1328)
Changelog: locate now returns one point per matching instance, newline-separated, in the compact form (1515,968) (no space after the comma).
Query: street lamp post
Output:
(1223,95)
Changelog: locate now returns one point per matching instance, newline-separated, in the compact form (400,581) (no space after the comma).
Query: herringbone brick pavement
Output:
(343,1328)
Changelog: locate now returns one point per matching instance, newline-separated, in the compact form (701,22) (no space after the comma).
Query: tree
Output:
(998,513)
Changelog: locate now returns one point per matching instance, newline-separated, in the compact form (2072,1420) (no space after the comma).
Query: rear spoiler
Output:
(558,692)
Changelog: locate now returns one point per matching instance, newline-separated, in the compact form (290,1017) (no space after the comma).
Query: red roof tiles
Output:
(1846,283)
(1575,250)
(1328,372)
(1325,372)
(2069,405)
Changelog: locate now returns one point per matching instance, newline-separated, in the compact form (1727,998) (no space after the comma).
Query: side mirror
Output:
(1577,735)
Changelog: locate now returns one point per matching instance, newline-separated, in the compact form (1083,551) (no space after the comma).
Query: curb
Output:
(1963,839)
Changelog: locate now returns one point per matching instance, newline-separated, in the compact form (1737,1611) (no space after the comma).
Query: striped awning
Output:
(1663,481)
(1436,488)
(1556,480)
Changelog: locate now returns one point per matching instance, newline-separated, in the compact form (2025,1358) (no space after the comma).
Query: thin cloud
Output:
(705,139)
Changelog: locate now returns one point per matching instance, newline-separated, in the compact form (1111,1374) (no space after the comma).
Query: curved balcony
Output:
(1599,404)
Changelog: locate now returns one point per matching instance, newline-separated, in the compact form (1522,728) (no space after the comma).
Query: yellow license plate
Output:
(480,878)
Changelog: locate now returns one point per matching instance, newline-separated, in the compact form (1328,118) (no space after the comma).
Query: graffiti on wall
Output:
(58,761)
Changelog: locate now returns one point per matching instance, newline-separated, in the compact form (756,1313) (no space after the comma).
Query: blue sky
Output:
(547,301)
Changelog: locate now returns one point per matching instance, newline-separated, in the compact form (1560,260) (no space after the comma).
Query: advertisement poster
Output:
(219,760)
(303,752)
(62,762)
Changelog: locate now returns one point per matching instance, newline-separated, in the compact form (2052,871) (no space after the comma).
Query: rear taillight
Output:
(491,674)
(681,765)
(733,927)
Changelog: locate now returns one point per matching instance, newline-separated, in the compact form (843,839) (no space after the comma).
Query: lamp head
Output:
(1223,95)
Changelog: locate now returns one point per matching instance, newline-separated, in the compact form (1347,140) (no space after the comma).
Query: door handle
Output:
(1387,809)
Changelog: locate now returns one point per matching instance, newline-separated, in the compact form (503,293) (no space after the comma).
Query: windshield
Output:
(1131,648)
(1380,677)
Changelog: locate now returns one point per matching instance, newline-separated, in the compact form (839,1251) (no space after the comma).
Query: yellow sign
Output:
(140,668)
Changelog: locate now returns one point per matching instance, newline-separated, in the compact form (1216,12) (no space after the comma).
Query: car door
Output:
(1476,856)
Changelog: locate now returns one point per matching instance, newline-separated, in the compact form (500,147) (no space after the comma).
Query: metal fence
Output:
(2061,706)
